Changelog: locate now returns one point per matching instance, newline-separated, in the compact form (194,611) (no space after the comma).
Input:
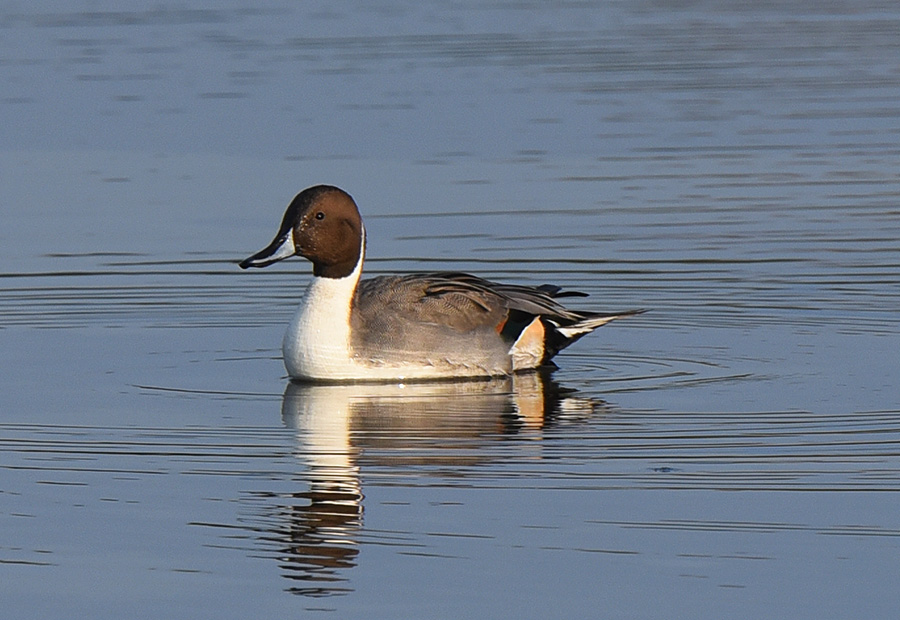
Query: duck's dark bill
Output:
(281,248)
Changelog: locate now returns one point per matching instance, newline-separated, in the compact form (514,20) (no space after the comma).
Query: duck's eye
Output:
(320,216)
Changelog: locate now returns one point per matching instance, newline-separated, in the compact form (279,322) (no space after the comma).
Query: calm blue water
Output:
(733,453)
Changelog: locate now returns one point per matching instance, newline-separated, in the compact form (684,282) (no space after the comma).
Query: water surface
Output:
(735,452)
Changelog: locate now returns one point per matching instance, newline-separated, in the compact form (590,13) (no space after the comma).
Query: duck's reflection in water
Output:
(317,529)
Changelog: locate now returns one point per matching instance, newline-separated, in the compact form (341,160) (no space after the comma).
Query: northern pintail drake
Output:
(407,327)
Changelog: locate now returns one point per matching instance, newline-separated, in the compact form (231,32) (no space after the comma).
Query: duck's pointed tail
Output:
(589,323)
(559,336)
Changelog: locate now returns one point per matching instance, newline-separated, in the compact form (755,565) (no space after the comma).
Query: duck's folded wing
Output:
(529,300)
(431,299)
(462,301)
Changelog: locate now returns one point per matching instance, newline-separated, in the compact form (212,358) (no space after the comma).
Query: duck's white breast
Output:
(317,342)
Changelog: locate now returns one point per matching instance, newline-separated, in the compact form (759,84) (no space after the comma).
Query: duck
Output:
(415,326)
